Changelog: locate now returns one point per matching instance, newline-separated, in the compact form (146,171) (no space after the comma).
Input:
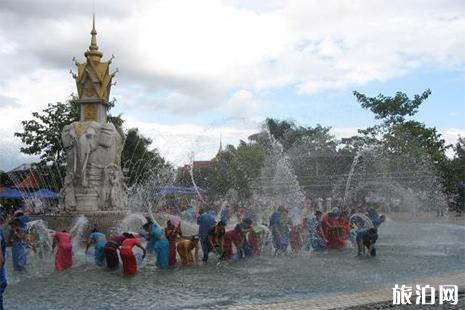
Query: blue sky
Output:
(192,71)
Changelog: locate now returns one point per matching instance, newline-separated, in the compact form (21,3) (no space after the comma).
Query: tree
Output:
(413,154)
(455,176)
(392,109)
(396,133)
(42,134)
(138,160)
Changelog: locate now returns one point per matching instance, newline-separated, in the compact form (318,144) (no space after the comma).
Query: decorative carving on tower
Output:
(94,180)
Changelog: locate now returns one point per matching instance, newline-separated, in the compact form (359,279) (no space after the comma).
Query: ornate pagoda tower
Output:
(93,82)
(94,180)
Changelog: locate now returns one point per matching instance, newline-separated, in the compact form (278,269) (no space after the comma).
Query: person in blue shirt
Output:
(23,219)
(225,214)
(157,243)
(375,218)
(205,221)
(100,241)
(315,233)
(17,237)
(3,281)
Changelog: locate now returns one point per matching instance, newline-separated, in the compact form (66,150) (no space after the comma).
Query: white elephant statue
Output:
(93,156)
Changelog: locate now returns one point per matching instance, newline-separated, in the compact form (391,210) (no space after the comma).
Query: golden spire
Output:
(93,51)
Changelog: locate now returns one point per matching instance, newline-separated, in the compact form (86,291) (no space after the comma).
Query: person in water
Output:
(205,221)
(216,238)
(333,230)
(296,237)
(279,222)
(256,237)
(232,237)
(127,255)
(3,280)
(366,239)
(111,250)
(316,236)
(64,254)
(375,218)
(99,240)
(17,238)
(185,248)
(172,232)
(158,243)
(23,219)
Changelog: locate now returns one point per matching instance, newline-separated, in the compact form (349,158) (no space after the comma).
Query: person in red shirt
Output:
(296,238)
(64,255)
(255,237)
(127,256)
(110,250)
(172,232)
(232,237)
(333,230)
(216,237)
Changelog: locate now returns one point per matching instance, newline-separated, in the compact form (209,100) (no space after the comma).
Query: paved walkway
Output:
(359,298)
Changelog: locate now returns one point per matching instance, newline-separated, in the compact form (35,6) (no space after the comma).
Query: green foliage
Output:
(137,159)
(455,172)
(393,109)
(234,168)
(42,134)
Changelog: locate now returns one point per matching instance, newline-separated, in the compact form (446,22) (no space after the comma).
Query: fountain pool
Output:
(405,251)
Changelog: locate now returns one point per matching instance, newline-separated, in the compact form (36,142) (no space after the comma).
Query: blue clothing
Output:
(3,281)
(159,245)
(205,222)
(205,247)
(99,253)
(225,216)
(190,214)
(374,217)
(23,220)
(19,255)
(279,231)
(315,241)
(162,250)
(275,219)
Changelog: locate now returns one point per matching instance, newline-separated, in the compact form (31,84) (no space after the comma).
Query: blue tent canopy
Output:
(12,193)
(43,194)
(179,190)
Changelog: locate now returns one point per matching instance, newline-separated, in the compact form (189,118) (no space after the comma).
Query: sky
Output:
(194,72)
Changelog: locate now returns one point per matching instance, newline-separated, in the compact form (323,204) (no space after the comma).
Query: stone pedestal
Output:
(86,203)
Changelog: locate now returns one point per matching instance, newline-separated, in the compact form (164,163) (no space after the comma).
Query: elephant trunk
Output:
(84,151)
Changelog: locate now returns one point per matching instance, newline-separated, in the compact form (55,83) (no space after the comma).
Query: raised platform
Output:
(104,220)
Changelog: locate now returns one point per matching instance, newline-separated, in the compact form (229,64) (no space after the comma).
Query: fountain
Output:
(94,194)
(94,184)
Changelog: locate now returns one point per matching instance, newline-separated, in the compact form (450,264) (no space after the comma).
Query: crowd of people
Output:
(171,248)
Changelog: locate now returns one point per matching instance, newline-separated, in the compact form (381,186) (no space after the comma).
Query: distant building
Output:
(199,164)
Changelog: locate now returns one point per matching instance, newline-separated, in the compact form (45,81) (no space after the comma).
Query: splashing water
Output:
(42,241)
(131,223)
(77,231)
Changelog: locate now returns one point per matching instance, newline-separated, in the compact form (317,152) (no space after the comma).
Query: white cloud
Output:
(244,103)
(176,142)
(184,57)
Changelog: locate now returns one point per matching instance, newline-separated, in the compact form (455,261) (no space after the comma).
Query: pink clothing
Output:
(64,255)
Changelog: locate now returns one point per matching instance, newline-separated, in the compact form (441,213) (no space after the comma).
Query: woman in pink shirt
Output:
(64,255)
